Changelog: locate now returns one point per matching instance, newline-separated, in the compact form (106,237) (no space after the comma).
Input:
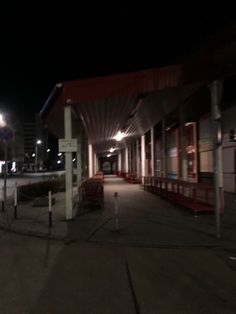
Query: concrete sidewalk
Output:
(144,220)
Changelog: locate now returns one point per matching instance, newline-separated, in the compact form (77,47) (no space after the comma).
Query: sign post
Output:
(68,145)
(6,134)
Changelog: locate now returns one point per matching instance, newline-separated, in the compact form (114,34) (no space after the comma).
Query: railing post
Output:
(3,205)
(116,211)
(15,202)
(50,208)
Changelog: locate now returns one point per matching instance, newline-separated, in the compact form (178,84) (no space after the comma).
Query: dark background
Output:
(42,45)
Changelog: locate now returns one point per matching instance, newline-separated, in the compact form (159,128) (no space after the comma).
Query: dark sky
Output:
(43,45)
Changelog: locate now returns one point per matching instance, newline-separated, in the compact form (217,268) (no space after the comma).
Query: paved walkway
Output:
(161,259)
(144,220)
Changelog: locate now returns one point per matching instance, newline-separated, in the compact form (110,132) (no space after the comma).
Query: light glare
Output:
(119,136)
(2,122)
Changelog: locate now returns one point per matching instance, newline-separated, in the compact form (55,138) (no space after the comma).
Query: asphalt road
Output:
(46,276)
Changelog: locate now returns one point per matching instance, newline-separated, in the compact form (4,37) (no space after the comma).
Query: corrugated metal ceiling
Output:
(133,115)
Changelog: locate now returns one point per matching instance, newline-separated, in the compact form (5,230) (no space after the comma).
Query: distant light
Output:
(33,155)
(58,162)
(119,136)
(188,123)
(111,150)
(59,154)
(13,167)
(109,155)
(2,122)
(1,164)
(48,150)
(74,159)
(39,142)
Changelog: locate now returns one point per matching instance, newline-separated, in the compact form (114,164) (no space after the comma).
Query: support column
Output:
(126,159)
(133,158)
(143,153)
(69,165)
(90,160)
(97,163)
(79,164)
(94,163)
(152,153)
(183,153)
(130,158)
(216,89)
(164,157)
(137,158)
(119,161)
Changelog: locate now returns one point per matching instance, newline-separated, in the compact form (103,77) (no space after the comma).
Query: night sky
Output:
(41,46)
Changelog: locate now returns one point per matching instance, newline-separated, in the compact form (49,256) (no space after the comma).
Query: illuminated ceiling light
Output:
(119,136)
(59,154)
(58,162)
(39,142)
(109,155)
(188,123)
(33,155)
(111,150)
(74,159)
(2,122)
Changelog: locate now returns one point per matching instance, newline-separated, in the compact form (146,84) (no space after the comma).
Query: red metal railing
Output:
(129,177)
(197,196)
(91,191)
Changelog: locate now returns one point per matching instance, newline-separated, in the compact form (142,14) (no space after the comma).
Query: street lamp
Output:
(38,142)
(6,135)
(2,125)
(2,121)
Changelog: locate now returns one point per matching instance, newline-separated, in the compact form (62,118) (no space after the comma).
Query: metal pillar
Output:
(5,175)
(36,158)
(216,89)
(183,153)
(90,160)
(94,163)
(97,163)
(130,158)
(152,153)
(137,158)
(143,153)
(79,165)
(126,159)
(164,157)
(69,165)
(119,161)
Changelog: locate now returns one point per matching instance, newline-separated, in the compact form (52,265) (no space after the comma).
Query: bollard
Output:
(116,210)
(3,205)
(15,202)
(50,208)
